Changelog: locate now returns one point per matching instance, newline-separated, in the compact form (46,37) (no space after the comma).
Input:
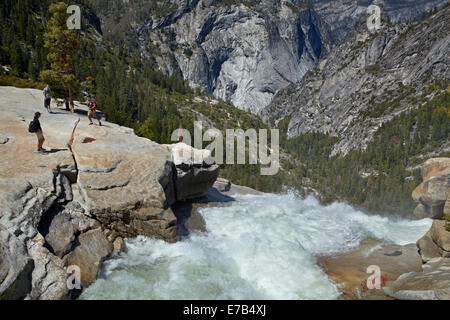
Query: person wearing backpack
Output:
(47,98)
(35,127)
(91,112)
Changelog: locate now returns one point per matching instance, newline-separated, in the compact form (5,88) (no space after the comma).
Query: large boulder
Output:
(196,171)
(61,228)
(433,193)
(92,250)
(428,249)
(431,284)
(49,279)
(441,237)
(119,174)
(222,185)
(16,267)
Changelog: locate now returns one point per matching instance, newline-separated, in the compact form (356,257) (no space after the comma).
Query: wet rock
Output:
(118,246)
(431,284)
(196,171)
(159,223)
(428,249)
(441,237)
(433,193)
(222,185)
(92,250)
(349,270)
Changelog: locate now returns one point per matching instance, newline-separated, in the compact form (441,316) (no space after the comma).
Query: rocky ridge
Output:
(76,203)
(367,79)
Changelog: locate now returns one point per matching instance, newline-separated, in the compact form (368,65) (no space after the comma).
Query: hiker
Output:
(35,127)
(47,98)
(91,105)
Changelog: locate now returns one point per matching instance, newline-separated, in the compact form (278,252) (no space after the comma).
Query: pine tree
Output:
(62,44)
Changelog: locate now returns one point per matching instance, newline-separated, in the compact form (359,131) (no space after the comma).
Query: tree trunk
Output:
(70,99)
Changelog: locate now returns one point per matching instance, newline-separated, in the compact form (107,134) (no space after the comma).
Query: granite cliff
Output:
(366,81)
(241,51)
(73,205)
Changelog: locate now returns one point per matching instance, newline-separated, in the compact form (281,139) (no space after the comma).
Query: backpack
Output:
(33,126)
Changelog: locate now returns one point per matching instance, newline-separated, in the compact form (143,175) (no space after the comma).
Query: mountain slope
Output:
(366,81)
(341,15)
(240,51)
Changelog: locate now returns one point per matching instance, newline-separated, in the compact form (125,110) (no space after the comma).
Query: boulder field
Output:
(73,205)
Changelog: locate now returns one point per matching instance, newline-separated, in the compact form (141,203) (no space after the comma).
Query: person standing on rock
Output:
(35,126)
(91,112)
(47,98)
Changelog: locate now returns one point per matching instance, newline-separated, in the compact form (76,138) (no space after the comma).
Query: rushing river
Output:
(260,247)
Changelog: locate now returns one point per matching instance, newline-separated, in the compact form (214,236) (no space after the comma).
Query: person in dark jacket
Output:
(39,133)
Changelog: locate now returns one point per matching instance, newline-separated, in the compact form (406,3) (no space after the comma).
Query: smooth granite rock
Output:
(433,193)
(349,270)
(428,249)
(16,267)
(69,205)
(92,250)
(431,284)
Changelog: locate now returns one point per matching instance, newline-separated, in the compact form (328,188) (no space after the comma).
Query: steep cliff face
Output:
(341,15)
(367,80)
(241,51)
(73,205)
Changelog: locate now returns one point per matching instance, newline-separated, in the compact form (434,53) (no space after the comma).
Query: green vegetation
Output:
(447,218)
(387,183)
(62,45)
(6,80)
(373,68)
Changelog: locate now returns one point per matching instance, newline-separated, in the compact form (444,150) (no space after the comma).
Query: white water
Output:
(260,247)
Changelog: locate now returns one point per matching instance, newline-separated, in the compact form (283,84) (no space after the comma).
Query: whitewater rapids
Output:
(259,247)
